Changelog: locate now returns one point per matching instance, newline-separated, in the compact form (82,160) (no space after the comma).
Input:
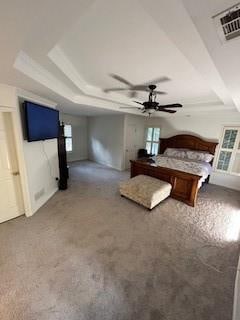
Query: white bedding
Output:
(199,168)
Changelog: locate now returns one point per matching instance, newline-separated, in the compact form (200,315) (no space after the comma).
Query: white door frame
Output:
(15,117)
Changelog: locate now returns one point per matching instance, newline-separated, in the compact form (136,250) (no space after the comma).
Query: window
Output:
(229,153)
(68,137)
(152,141)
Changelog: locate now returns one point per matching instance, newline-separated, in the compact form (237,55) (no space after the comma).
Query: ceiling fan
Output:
(152,105)
(133,88)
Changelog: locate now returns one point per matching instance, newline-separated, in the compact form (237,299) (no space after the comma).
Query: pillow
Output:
(175,152)
(199,156)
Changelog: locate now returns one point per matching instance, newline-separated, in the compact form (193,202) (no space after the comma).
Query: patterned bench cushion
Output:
(145,190)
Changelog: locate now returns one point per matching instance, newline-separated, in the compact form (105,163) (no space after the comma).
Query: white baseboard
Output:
(225,180)
(106,164)
(79,159)
(43,200)
(236,302)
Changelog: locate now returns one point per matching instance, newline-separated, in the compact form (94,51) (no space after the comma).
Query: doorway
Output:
(11,198)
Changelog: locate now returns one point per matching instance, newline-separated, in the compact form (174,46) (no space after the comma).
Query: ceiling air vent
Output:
(228,23)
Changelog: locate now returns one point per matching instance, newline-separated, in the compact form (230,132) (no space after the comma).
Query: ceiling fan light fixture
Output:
(152,105)
(150,111)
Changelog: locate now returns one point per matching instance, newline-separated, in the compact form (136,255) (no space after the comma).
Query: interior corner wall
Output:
(41,162)
(79,136)
(106,140)
(208,126)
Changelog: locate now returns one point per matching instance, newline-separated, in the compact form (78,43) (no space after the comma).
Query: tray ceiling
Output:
(69,49)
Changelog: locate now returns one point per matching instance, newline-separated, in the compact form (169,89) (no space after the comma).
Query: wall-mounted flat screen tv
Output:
(42,123)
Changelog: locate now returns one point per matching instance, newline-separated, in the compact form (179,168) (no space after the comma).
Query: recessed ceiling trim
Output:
(29,67)
(59,58)
(63,63)
(34,70)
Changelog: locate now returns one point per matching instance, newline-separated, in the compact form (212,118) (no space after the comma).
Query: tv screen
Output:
(41,122)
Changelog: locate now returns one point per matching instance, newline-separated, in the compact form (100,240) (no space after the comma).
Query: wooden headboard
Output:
(188,142)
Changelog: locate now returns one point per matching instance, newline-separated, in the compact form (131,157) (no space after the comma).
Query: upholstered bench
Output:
(145,190)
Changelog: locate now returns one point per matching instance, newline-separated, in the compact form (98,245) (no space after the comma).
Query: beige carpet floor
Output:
(89,254)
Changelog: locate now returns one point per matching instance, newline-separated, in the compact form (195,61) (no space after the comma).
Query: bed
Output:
(185,183)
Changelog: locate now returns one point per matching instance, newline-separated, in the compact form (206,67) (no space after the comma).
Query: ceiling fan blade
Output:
(173,105)
(169,111)
(157,80)
(129,108)
(160,92)
(116,77)
(140,88)
(115,89)
(139,102)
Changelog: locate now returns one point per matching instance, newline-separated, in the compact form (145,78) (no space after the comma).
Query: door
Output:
(11,201)
(131,144)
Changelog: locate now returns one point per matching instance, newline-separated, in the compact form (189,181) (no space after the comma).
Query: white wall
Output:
(41,162)
(106,140)
(205,126)
(138,142)
(79,136)
(42,169)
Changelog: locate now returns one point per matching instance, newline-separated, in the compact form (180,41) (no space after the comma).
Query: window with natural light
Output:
(152,141)
(68,137)
(229,153)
